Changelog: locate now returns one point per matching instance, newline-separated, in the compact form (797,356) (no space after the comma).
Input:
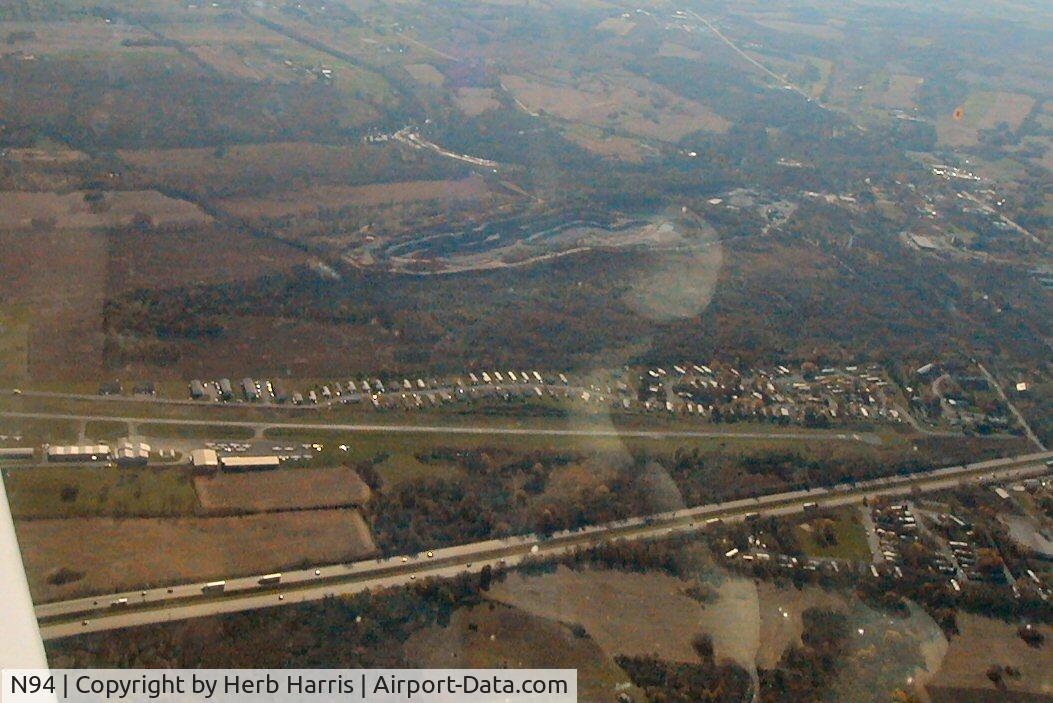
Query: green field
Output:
(103,431)
(14,344)
(850,537)
(68,491)
(399,450)
(34,431)
(169,431)
(406,468)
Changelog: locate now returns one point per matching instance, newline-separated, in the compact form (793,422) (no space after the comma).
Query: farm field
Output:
(206,255)
(127,554)
(281,489)
(80,210)
(981,643)
(670,49)
(901,91)
(824,32)
(259,345)
(475,101)
(609,147)
(984,110)
(425,73)
(750,623)
(59,278)
(252,169)
(625,613)
(667,117)
(78,491)
(69,37)
(49,154)
(311,200)
(14,344)
(496,636)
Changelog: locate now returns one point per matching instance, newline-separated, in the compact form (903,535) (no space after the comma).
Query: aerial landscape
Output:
(704,348)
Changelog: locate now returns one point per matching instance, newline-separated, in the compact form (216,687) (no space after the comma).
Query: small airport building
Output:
(249,463)
(131,453)
(205,461)
(80,453)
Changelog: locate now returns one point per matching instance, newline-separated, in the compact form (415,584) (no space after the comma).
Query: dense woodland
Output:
(499,493)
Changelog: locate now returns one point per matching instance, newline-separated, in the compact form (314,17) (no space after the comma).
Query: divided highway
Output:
(154,605)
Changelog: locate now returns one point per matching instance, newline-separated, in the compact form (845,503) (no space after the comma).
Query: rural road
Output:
(61,619)
(260,426)
(1012,408)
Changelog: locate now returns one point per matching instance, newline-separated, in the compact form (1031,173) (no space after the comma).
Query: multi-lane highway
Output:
(245,593)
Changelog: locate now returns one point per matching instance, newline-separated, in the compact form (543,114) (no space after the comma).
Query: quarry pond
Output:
(519,242)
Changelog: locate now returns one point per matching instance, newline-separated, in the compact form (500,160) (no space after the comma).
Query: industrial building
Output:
(16,453)
(79,453)
(131,453)
(205,461)
(249,463)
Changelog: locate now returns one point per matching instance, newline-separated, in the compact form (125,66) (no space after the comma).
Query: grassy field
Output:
(492,636)
(63,491)
(984,110)
(401,468)
(105,430)
(850,539)
(645,109)
(14,344)
(301,202)
(32,432)
(72,211)
(195,431)
(281,489)
(983,642)
(400,449)
(626,613)
(109,554)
